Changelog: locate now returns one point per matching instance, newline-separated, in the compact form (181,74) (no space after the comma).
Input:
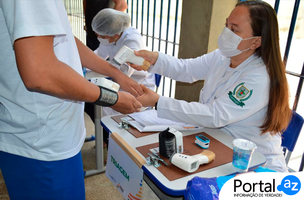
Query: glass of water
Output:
(242,153)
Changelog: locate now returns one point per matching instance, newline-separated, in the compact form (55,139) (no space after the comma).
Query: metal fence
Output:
(159,23)
(287,49)
(74,9)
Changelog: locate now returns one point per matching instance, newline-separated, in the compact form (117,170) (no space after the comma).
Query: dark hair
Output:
(264,23)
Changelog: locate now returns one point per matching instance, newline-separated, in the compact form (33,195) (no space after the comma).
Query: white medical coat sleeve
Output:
(184,70)
(221,110)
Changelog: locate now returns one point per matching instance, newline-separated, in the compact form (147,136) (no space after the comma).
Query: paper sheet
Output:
(148,120)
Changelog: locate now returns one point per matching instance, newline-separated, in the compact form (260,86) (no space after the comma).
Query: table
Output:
(164,188)
(98,133)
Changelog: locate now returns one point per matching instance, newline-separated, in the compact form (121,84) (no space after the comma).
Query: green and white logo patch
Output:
(240,94)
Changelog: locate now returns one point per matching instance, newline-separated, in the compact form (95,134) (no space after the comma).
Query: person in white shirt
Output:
(42,97)
(113,31)
(245,92)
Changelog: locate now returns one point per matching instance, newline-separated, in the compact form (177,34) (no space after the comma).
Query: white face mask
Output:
(229,41)
(104,41)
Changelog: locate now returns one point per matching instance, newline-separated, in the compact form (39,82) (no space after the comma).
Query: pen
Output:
(191,127)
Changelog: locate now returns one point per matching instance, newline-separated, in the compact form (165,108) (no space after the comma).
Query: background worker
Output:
(90,9)
(113,31)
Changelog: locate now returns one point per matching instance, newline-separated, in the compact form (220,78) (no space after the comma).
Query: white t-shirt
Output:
(32,124)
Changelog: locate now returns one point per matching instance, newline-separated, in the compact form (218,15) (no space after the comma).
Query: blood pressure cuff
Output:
(107,97)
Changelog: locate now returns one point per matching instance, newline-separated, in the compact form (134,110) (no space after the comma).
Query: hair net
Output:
(110,22)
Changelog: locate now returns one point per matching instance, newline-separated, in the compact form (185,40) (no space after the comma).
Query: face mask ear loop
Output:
(250,38)
(245,50)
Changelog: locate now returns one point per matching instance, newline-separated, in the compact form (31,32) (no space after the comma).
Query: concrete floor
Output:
(98,187)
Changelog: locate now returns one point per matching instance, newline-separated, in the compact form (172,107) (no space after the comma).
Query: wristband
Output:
(106,98)
(155,106)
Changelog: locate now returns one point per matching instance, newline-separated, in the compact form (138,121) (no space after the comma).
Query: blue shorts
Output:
(27,178)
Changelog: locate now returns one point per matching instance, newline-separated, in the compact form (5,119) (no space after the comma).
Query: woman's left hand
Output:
(149,98)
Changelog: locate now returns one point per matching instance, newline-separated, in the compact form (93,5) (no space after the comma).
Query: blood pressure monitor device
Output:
(170,142)
(202,141)
(178,140)
(103,82)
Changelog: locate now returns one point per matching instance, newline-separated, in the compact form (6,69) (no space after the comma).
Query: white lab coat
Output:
(132,39)
(216,108)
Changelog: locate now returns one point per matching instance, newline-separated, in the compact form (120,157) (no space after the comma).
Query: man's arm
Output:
(84,3)
(120,5)
(90,60)
(41,71)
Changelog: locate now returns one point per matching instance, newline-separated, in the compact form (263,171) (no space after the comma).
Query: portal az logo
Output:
(290,185)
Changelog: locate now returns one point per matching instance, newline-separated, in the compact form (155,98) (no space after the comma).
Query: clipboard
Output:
(148,121)
(131,129)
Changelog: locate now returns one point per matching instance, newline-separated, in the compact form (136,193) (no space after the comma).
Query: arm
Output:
(221,110)
(120,5)
(90,60)
(41,71)
(84,3)
(233,102)
(184,70)
(84,12)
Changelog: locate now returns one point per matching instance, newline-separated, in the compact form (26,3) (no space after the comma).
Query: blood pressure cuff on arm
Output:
(106,98)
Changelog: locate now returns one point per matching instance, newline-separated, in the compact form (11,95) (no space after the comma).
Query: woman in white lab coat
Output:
(113,31)
(245,92)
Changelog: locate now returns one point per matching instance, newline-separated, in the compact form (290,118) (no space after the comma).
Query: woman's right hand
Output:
(149,98)
(150,59)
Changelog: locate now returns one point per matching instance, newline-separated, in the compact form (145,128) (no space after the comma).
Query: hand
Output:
(150,59)
(128,84)
(149,98)
(126,103)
